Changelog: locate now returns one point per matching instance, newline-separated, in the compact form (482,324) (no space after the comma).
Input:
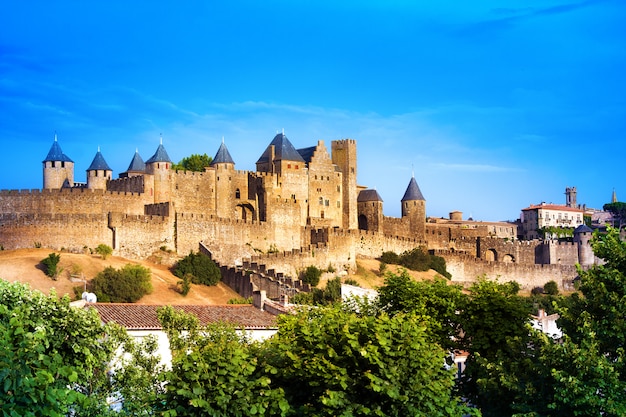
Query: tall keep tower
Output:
(570,196)
(159,167)
(98,173)
(344,156)
(224,166)
(414,208)
(58,169)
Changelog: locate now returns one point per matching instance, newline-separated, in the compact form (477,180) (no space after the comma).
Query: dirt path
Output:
(23,265)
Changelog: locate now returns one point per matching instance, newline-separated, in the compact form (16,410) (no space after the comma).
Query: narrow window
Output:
(237,194)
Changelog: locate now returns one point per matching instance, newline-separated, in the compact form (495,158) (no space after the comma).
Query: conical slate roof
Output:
(413,192)
(159,156)
(368,195)
(283,150)
(583,228)
(98,163)
(222,156)
(56,154)
(137,164)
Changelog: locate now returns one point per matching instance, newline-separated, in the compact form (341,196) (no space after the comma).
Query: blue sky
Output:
(492,105)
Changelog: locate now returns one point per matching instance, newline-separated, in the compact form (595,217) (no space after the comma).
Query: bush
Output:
(184,285)
(536,291)
(52,265)
(202,269)
(551,288)
(438,264)
(126,285)
(236,301)
(417,259)
(104,250)
(311,275)
(390,258)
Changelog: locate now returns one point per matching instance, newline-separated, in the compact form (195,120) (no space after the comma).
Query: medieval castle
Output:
(300,207)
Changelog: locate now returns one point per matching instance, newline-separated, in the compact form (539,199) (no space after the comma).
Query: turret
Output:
(370,209)
(414,208)
(137,167)
(98,173)
(159,166)
(224,194)
(58,169)
(582,238)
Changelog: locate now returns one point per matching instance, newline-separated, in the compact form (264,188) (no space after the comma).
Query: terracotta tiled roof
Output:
(144,317)
(553,207)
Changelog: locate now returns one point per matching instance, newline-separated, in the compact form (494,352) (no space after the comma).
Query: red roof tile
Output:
(144,317)
(553,207)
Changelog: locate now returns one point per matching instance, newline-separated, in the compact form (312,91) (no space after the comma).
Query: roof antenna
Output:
(222,139)
(55,135)
(283,131)
(161,138)
(412,171)
(98,148)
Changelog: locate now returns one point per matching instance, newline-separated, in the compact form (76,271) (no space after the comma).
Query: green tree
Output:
(125,285)
(104,250)
(551,288)
(311,275)
(215,371)
(201,268)
(618,210)
(51,264)
(435,299)
(194,162)
(332,362)
(53,357)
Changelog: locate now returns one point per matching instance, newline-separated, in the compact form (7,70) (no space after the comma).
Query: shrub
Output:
(536,291)
(52,265)
(417,259)
(184,285)
(551,288)
(351,281)
(438,264)
(240,301)
(202,269)
(104,250)
(311,275)
(125,285)
(390,258)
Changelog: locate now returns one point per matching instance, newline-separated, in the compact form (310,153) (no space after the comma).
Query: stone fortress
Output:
(300,207)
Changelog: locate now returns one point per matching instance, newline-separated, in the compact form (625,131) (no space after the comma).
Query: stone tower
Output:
(582,236)
(224,168)
(370,209)
(98,173)
(58,169)
(414,209)
(159,166)
(344,156)
(570,196)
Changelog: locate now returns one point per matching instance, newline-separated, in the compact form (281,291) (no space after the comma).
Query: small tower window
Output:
(321,201)
(237,194)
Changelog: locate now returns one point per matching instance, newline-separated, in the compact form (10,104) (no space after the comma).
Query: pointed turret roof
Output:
(160,155)
(137,164)
(412,191)
(283,150)
(222,156)
(614,197)
(583,228)
(56,154)
(98,163)
(369,195)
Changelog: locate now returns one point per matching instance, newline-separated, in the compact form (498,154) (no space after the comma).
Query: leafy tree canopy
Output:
(200,267)
(125,285)
(618,210)
(194,162)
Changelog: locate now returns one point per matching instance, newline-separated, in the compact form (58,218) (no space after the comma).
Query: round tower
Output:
(370,211)
(414,209)
(58,169)
(225,196)
(582,238)
(158,166)
(98,173)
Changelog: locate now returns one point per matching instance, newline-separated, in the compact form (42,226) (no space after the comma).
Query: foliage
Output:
(390,258)
(184,285)
(331,362)
(215,371)
(194,162)
(551,288)
(240,301)
(552,232)
(125,285)
(201,267)
(435,299)
(353,282)
(52,265)
(311,275)
(104,250)
(53,357)
(417,259)
(618,210)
